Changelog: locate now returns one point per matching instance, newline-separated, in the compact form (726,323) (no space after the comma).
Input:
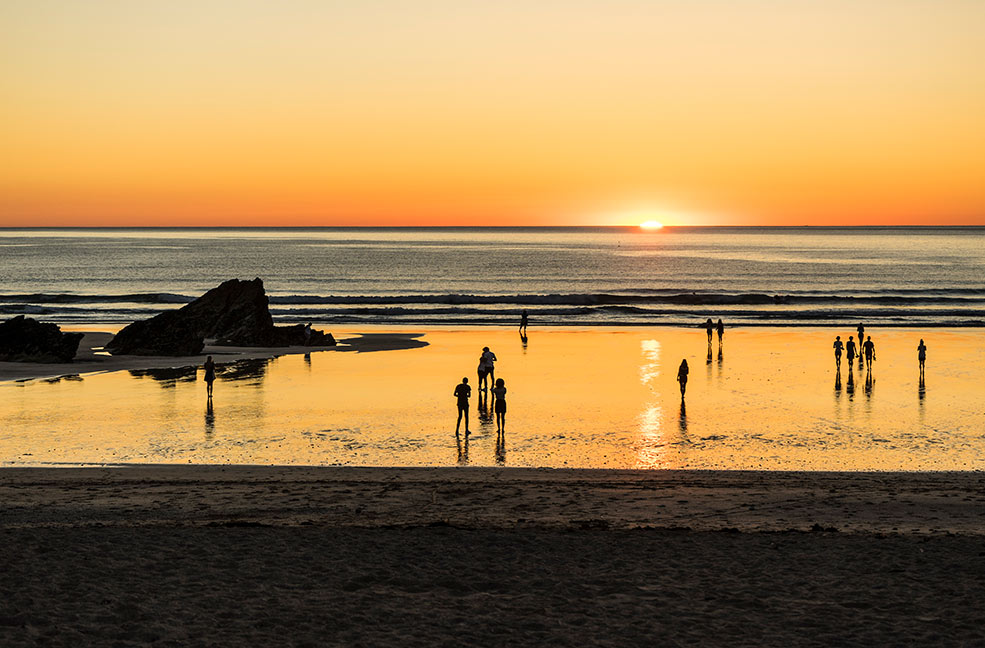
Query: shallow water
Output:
(598,398)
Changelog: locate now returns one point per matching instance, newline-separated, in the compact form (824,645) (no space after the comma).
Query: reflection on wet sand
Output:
(501,449)
(209,418)
(463,449)
(583,399)
(245,371)
(167,377)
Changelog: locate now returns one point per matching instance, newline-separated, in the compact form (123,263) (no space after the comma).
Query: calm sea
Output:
(562,276)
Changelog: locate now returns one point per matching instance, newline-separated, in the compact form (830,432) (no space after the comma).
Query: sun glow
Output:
(651,225)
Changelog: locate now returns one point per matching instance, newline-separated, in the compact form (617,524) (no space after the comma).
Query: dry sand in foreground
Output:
(421,557)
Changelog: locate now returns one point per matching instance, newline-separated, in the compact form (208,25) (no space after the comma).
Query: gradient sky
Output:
(434,112)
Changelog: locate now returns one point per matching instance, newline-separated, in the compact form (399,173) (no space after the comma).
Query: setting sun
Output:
(651,225)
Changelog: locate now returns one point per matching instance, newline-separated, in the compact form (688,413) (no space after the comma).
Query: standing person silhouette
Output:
(921,356)
(682,375)
(499,404)
(850,350)
(490,359)
(721,332)
(838,346)
(708,327)
(483,372)
(209,375)
(861,341)
(869,348)
(463,392)
(523,323)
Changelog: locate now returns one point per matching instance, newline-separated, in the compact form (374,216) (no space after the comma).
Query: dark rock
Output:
(235,314)
(23,339)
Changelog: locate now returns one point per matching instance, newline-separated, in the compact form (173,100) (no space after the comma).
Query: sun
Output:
(651,225)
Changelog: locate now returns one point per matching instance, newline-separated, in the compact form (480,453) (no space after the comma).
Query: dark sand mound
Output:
(235,313)
(23,339)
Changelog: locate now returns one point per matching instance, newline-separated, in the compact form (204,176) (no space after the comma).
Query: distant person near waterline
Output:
(463,392)
(499,404)
(838,346)
(209,375)
(490,359)
(682,372)
(721,332)
(869,348)
(861,342)
(921,355)
(709,326)
(523,323)
(850,350)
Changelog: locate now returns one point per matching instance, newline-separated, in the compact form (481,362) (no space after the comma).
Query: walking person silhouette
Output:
(499,405)
(721,332)
(463,392)
(523,323)
(209,375)
(869,348)
(838,346)
(921,356)
(850,350)
(682,372)
(861,341)
(708,328)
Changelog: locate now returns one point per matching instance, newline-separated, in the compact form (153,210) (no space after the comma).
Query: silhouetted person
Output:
(861,340)
(838,346)
(850,350)
(869,349)
(921,356)
(708,328)
(463,392)
(499,404)
(483,372)
(682,375)
(209,375)
(490,359)
(721,331)
(523,323)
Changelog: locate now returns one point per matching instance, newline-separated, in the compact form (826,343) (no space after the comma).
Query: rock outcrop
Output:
(235,313)
(23,339)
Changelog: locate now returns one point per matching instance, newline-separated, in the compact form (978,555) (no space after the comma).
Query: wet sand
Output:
(207,555)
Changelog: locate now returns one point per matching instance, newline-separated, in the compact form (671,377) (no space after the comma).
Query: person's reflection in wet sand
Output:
(209,418)
(307,360)
(682,420)
(850,386)
(463,449)
(838,381)
(501,449)
(523,342)
(482,410)
(721,358)
(869,380)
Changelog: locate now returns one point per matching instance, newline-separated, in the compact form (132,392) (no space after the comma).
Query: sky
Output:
(463,112)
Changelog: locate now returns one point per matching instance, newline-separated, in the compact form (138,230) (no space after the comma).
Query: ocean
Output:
(678,276)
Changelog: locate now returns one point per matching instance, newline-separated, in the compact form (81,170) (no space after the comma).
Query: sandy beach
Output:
(201,555)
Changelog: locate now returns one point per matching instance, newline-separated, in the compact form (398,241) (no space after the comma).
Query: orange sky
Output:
(466,112)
